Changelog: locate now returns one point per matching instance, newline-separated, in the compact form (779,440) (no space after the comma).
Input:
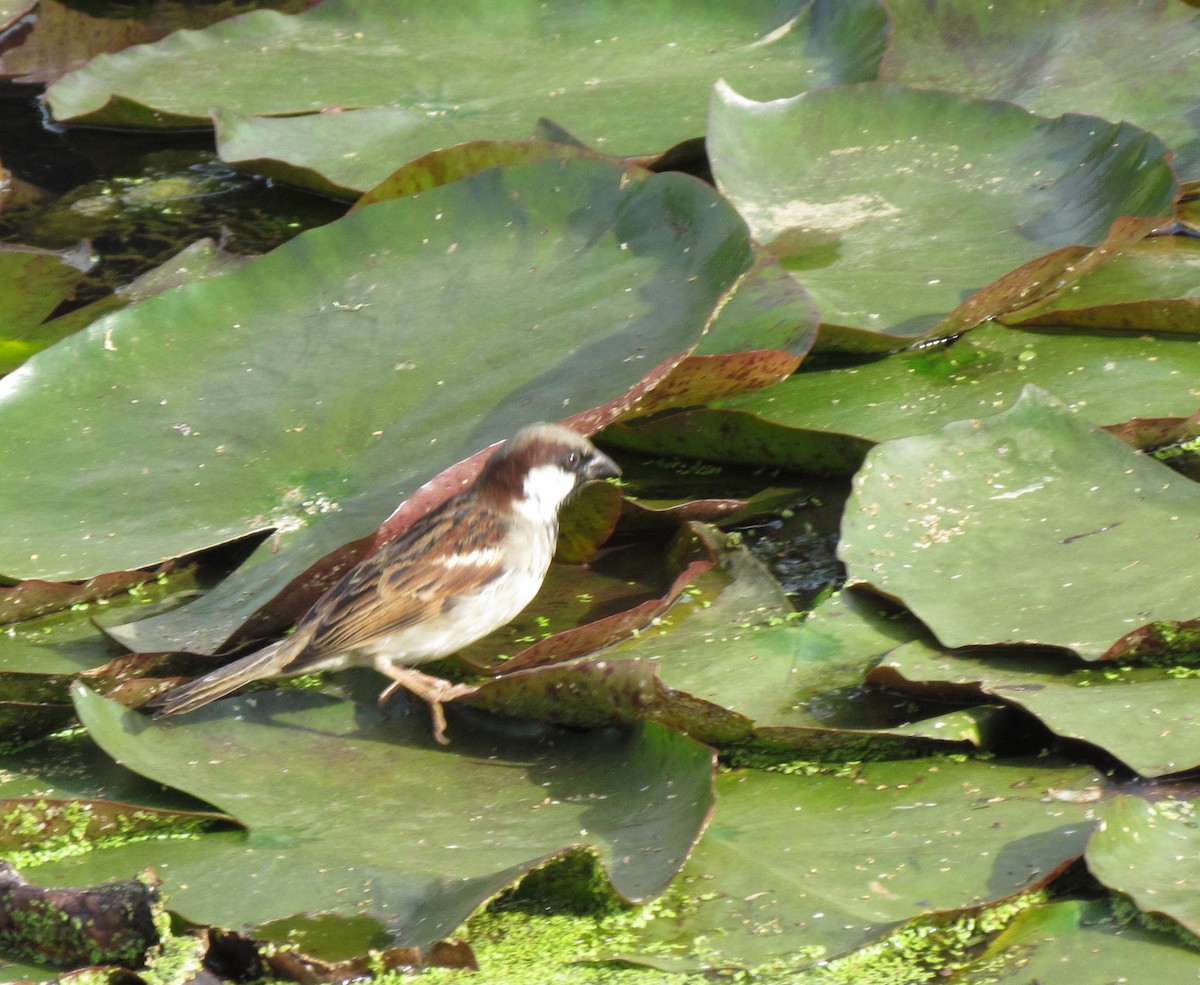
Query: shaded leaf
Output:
(1145,717)
(1072,940)
(1076,56)
(317,779)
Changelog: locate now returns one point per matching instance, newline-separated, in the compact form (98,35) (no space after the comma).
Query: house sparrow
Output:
(461,571)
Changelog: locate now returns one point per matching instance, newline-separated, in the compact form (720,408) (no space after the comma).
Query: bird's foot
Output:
(432,690)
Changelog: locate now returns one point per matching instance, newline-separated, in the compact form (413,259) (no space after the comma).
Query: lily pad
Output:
(1151,852)
(1030,526)
(1077,56)
(33,283)
(1107,380)
(317,780)
(730,662)
(299,424)
(625,85)
(1144,716)
(894,205)
(813,866)
(1151,286)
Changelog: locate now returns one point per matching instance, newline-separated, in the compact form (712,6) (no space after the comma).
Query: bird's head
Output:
(541,467)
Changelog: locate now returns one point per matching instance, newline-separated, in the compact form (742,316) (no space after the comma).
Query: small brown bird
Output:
(461,571)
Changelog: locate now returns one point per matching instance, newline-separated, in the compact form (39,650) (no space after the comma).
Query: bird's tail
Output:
(220,682)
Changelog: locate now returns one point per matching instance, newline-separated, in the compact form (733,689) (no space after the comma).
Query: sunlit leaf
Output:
(1029,526)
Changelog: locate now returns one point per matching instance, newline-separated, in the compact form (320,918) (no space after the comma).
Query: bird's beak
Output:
(602,467)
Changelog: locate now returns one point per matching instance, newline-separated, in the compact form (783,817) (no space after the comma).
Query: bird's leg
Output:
(432,690)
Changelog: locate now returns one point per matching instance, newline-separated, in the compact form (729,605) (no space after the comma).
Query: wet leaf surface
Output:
(1143,716)
(858,207)
(1029,526)
(316,779)
(820,864)
(1150,852)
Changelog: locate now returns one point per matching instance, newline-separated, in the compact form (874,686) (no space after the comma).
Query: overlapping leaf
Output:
(817,865)
(352,813)
(327,369)
(897,205)
(1142,716)
(1026,527)
(1078,56)
(624,85)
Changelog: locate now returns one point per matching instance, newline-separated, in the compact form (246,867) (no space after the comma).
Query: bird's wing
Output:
(451,552)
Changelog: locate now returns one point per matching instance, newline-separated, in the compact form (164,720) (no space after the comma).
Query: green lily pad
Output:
(735,436)
(796,867)
(328,390)
(1144,716)
(1080,56)
(1107,380)
(317,780)
(728,663)
(32,284)
(1151,852)
(625,85)
(894,205)
(1151,286)
(1030,526)
(1078,940)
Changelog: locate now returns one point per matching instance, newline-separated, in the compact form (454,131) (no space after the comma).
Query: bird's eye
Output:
(571,460)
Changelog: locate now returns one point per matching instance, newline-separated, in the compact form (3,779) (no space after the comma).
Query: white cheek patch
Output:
(546,488)
(484,558)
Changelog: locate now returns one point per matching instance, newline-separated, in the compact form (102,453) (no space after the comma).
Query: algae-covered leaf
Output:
(816,865)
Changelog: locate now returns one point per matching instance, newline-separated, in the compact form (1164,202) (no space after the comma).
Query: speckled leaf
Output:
(1026,527)
(1107,380)
(1078,941)
(317,780)
(296,422)
(1144,716)
(1151,852)
(627,85)
(823,864)
(893,205)
(1091,56)
(1152,286)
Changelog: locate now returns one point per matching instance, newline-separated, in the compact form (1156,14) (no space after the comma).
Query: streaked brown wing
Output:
(454,550)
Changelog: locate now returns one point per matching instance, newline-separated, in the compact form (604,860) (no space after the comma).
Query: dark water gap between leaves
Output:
(137,199)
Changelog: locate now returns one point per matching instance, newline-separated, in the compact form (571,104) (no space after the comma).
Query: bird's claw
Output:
(432,690)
